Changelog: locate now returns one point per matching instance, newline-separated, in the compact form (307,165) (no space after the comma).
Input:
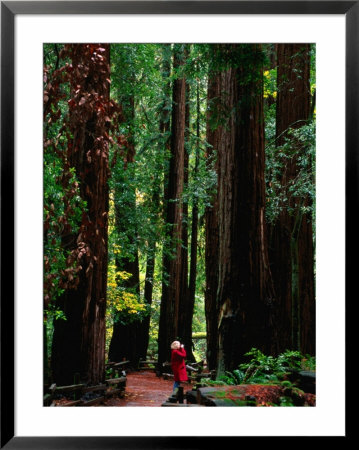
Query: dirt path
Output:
(144,388)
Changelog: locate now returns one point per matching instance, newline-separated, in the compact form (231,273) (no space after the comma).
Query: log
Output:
(121,364)
(240,395)
(71,388)
(307,381)
(94,401)
(99,387)
(198,376)
(304,379)
(199,363)
(192,369)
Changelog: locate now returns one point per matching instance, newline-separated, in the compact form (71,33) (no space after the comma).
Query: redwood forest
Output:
(179,205)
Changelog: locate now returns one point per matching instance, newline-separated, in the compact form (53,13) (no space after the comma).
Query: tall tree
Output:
(194,227)
(245,290)
(171,286)
(79,341)
(186,305)
(160,177)
(211,221)
(292,252)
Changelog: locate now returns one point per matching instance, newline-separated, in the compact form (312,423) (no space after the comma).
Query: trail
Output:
(144,388)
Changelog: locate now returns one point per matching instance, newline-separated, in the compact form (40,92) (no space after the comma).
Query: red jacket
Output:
(178,364)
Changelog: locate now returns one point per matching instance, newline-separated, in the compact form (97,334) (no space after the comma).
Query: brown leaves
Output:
(85,136)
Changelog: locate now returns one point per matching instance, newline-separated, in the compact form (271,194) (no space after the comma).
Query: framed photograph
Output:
(332,26)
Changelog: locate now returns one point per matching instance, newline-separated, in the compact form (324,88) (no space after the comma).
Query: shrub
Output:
(264,369)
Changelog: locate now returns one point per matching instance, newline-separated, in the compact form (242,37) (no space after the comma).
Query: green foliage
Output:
(57,216)
(125,305)
(298,146)
(199,335)
(309,363)
(295,146)
(269,369)
(232,378)
(264,369)
(290,359)
(108,373)
(285,401)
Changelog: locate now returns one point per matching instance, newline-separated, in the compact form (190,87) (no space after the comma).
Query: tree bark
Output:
(186,305)
(79,341)
(149,278)
(245,289)
(211,222)
(171,286)
(292,236)
(194,229)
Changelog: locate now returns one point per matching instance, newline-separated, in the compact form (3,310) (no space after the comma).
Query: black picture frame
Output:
(9,9)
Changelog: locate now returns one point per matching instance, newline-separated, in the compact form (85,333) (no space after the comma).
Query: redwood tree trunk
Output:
(163,146)
(245,289)
(79,341)
(150,269)
(172,264)
(186,305)
(194,231)
(211,223)
(292,234)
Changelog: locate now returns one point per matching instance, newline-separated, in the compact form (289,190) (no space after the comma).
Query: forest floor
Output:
(144,388)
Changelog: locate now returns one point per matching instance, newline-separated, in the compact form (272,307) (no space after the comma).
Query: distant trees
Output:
(125,340)
(125,337)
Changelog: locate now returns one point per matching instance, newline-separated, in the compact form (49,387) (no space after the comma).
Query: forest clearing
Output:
(179,205)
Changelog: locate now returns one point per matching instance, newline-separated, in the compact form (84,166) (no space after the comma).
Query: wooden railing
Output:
(80,395)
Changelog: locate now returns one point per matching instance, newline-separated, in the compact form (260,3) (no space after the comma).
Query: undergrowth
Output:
(264,369)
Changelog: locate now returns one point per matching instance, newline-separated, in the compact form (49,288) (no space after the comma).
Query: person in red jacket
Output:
(178,364)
